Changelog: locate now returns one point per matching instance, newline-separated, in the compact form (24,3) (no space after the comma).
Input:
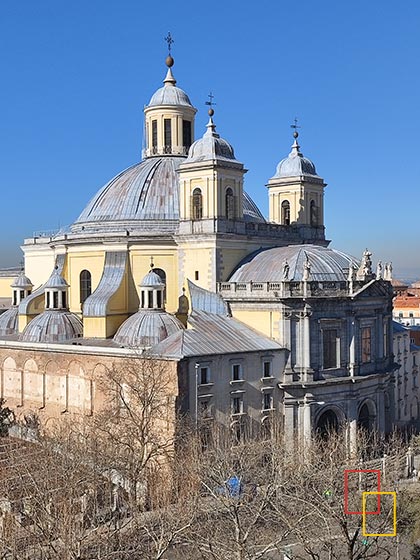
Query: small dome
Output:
(9,321)
(210,146)
(268,265)
(152,279)
(169,94)
(53,326)
(147,328)
(56,280)
(295,164)
(22,282)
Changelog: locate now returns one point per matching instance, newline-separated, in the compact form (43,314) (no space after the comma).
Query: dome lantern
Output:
(152,290)
(21,288)
(169,119)
(56,292)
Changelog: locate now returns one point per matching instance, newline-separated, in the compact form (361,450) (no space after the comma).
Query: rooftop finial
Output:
(169,60)
(151,263)
(295,146)
(295,126)
(210,103)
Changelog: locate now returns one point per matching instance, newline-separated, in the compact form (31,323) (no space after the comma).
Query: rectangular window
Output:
(329,341)
(267,400)
(266,369)
(236,372)
(237,405)
(168,135)
(204,375)
(196,275)
(411,314)
(63,300)
(150,299)
(366,345)
(55,300)
(154,134)
(14,297)
(186,134)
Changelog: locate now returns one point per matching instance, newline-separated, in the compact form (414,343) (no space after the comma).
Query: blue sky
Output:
(76,75)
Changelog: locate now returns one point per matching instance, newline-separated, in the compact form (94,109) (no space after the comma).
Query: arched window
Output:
(285,213)
(197,205)
(314,214)
(85,285)
(230,204)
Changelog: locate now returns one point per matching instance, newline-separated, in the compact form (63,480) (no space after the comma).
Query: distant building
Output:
(407,391)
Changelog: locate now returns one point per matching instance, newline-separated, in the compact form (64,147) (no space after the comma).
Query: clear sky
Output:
(76,75)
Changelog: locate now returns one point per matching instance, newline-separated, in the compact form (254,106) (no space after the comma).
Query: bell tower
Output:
(296,192)
(211,182)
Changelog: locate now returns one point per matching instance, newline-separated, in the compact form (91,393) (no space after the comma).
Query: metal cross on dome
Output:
(210,102)
(295,124)
(169,40)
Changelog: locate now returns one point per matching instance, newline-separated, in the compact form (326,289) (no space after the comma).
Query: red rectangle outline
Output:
(346,490)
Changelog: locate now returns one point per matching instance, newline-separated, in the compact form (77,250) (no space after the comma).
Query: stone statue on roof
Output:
(286,269)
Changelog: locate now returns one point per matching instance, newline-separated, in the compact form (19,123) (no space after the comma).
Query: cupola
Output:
(21,288)
(56,323)
(169,119)
(151,324)
(56,292)
(296,191)
(211,180)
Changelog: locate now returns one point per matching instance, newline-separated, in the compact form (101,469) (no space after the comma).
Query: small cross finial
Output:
(210,103)
(151,263)
(295,126)
(170,42)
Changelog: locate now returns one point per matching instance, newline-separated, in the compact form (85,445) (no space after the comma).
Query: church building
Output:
(172,259)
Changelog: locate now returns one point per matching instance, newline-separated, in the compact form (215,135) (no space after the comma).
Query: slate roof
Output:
(213,334)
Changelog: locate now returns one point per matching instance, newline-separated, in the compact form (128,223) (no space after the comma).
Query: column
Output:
(306,350)
(352,345)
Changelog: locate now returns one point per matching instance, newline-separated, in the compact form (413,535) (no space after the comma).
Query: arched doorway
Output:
(366,417)
(327,424)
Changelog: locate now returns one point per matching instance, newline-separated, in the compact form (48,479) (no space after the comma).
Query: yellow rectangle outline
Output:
(394,534)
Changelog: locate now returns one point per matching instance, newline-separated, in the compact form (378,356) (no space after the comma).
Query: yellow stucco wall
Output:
(5,289)
(93,261)
(264,321)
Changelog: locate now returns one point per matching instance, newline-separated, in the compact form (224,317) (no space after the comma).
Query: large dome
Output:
(53,326)
(143,197)
(146,328)
(267,266)
(140,195)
